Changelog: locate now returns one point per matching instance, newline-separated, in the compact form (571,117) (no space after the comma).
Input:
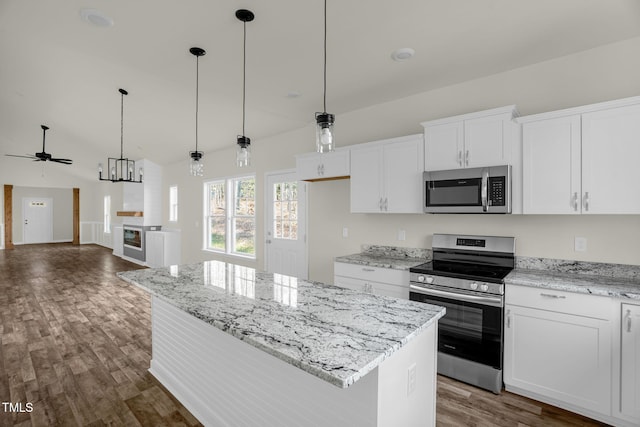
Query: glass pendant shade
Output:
(243,153)
(196,165)
(324,132)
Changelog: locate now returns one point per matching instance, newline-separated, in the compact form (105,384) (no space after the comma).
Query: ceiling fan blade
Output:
(63,161)
(25,157)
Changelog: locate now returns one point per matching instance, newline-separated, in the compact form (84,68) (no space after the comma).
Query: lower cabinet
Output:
(630,362)
(558,348)
(380,281)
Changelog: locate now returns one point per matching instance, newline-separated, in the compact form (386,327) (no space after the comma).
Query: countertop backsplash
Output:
(396,252)
(619,271)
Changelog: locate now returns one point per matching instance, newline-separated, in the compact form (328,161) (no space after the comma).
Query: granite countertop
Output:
(336,334)
(387,257)
(610,280)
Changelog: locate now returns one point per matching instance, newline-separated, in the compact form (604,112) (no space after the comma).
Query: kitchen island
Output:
(241,347)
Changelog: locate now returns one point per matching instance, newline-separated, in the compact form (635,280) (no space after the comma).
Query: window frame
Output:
(106,214)
(230,216)
(173,203)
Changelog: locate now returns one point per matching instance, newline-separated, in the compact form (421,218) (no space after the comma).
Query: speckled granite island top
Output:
(336,334)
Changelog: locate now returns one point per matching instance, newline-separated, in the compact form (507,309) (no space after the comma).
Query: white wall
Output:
(601,74)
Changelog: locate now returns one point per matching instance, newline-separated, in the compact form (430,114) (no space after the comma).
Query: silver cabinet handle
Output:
(574,201)
(380,203)
(386,204)
(628,316)
(318,170)
(460,157)
(508,318)
(485,189)
(322,168)
(585,201)
(542,294)
(466,157)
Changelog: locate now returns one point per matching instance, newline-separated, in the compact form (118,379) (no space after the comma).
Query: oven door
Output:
(472,326)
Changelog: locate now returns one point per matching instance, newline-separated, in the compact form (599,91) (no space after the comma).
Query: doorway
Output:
(37,224)
(286,228)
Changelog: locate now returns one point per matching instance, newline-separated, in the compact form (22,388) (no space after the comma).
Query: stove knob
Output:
(429,280)
(473,286)
(420,278)
(484,287)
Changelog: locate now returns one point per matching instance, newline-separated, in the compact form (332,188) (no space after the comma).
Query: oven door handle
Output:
(492,301)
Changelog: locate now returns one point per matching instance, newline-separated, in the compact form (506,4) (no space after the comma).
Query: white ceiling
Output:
(59,70)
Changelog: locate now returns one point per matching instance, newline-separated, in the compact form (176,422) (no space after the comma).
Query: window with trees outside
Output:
(173,203)
(107,214)
(230,220)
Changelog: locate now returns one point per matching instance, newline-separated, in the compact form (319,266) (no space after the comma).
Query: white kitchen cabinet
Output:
(386,176)
(582,160)
(380,281)
(630,363)
(163,248)
(323,166)
(478,139)
(558,347)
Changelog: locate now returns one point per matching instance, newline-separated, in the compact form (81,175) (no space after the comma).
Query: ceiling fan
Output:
(44,156)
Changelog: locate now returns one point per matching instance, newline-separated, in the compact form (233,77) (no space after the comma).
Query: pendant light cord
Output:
(244,73)
(197,90)
(121,125)
(325,58)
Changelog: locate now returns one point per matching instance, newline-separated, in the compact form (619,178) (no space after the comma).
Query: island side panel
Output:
(224,381)
(407,383)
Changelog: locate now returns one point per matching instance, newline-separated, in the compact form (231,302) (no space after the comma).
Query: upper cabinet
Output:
(323,166)
(582,160)
(484,138)
(386,176)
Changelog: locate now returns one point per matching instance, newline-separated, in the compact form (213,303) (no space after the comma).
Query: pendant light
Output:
(243,153)
(324,120)
(122,169)
(196,166)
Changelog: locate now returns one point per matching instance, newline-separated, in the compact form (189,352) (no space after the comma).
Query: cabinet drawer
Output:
(376,288)
(376,274)
(560,301)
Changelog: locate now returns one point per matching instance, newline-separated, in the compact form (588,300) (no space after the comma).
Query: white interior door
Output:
(37,225)
(286,228)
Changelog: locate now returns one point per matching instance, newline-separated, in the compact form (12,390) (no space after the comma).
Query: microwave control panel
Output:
(497,196)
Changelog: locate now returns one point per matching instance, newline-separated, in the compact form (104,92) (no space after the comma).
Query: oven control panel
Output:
(455,283)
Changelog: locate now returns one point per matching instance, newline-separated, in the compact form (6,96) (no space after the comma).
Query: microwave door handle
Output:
(484,192)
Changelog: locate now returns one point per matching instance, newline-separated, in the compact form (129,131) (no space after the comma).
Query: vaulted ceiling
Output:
(60,70)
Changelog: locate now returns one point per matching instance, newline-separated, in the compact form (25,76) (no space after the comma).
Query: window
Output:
(107,214)
(230,219)
(173,203)
(285,210)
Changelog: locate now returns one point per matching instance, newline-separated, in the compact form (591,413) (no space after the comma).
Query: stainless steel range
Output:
(466,276)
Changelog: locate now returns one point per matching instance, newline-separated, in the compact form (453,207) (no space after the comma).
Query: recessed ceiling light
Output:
(402,54)
(96,17)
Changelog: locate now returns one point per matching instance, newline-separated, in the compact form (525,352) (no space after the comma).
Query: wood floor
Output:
(75,346)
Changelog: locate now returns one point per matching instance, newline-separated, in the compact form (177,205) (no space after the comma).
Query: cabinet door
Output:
(318,166)
(444,146)
(562,357)
(154,247)
(403,168)
(610,153)
(486,142)
(630,368)
(366,179)
(551,166)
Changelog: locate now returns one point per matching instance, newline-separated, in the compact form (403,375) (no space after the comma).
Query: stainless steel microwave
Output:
(472,190)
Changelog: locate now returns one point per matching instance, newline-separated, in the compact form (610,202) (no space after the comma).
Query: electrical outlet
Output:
(402,235)
(345,232)
(580,244)
(411,379)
